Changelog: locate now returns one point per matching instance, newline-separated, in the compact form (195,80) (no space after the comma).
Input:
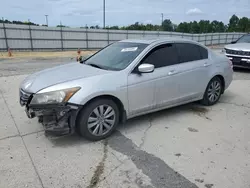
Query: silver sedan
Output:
(124,80)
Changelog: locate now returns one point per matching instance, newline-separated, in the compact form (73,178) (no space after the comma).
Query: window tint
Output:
(163,55)
(191,52)
(188,52)
(204,52)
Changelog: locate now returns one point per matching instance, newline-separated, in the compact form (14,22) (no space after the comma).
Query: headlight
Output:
(59,96)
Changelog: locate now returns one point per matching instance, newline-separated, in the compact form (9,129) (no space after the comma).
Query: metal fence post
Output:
(158,33)
(205,39)
(5,37)
(219,37)
(182,35)
(108,35)
(61,38)
(212,38)
(31,42)
(192,36)
(233,37)
(127,34)
(87,40)
(226,38)
(199,37)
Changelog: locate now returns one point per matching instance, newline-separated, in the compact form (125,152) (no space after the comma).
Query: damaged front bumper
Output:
(57,119)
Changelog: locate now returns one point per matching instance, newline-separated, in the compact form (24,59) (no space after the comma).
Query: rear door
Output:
(193,70)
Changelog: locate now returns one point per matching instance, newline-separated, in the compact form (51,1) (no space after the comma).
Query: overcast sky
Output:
(121,12)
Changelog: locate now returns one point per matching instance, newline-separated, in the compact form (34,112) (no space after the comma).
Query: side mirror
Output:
(146,68)
(233,42)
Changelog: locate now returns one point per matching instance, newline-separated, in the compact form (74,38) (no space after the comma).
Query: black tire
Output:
(82,121)
(206,100)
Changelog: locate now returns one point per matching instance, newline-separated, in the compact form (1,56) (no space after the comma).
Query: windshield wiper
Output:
(102,67)
(95,65)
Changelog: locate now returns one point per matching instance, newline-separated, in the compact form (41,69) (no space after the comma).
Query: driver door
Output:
(141,92)
(150,91)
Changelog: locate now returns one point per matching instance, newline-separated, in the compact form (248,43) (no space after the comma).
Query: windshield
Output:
(245,38)
(117,56)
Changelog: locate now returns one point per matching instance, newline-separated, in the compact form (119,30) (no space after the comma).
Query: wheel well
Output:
(222,81)
(117,102)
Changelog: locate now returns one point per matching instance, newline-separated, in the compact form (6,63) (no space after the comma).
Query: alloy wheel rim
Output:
(101,120)
(214,91)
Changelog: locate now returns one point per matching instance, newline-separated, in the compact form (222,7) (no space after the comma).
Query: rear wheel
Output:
(98,119)
(213,92)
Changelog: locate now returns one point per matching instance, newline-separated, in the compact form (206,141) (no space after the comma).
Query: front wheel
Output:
(98,119)
(213,92)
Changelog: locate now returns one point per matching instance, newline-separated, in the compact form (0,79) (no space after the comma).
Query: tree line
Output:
(235,24)
(18,22)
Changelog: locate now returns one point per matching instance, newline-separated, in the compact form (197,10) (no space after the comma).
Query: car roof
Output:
(157,40)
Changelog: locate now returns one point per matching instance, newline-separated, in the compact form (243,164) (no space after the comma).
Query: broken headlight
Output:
(53,97)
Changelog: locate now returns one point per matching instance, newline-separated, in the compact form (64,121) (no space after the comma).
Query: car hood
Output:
(59,74)
(239,46)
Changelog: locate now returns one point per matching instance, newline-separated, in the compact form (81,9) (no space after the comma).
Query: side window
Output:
(163,55)
(190,52)
(204,52)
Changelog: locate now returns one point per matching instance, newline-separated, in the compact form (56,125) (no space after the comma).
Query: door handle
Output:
(206,64)
(172,72)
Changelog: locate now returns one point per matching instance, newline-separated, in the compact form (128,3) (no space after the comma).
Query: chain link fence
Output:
(39,38)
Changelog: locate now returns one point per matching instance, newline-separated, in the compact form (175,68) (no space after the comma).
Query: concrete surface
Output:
(7,128)
(16,168)
(183,147)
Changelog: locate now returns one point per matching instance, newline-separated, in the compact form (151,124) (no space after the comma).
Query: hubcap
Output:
(101,120)
(214,91)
